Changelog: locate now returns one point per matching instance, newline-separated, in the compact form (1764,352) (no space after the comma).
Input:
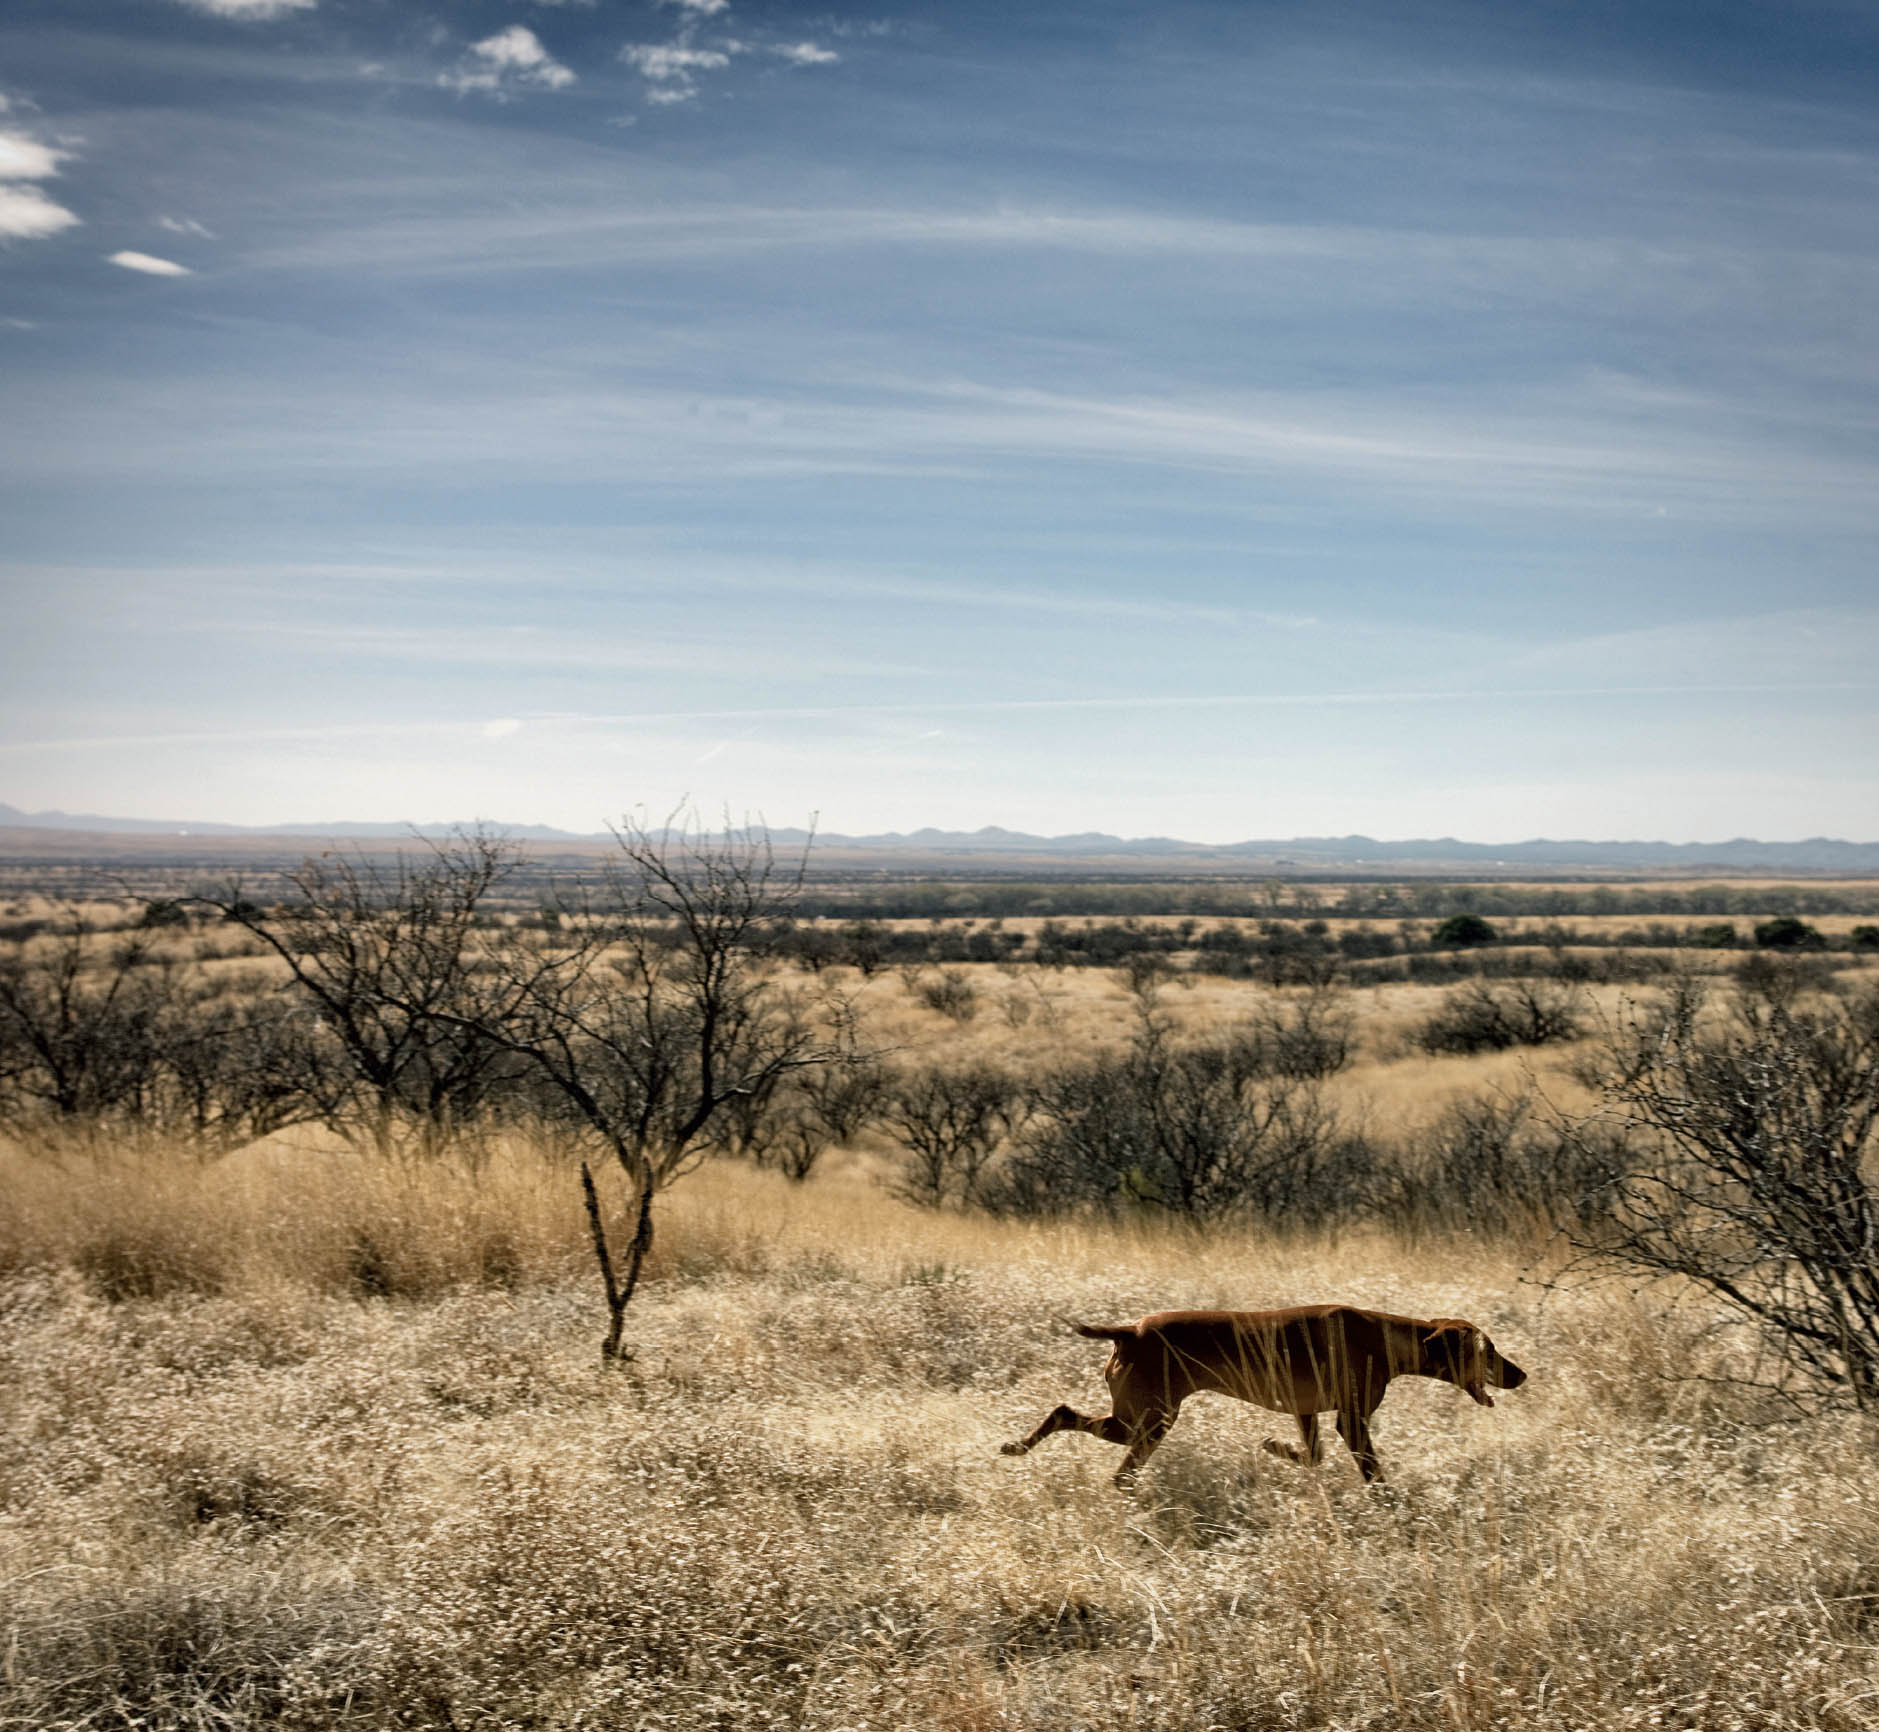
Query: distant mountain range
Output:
(1815,854)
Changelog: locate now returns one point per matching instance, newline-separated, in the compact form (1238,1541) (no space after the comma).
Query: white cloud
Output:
(700,8)
(501,728)
(671,68)
(246,9)
(520,48)
(184,226)
(26,214)
(23,158)
(149,265)
(511,56)
(671,61)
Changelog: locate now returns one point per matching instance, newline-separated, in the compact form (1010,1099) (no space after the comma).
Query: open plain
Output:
(309,1436)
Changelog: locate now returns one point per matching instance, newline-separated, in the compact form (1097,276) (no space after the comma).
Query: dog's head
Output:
(1459,1353)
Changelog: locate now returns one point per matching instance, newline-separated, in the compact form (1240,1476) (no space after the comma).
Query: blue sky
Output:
(1214,421)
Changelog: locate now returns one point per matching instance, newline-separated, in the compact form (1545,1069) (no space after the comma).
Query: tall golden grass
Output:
(298,1439)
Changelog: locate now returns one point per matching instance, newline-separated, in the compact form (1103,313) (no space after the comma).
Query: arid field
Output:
(281,1501)
(307,1422)
(303,1436)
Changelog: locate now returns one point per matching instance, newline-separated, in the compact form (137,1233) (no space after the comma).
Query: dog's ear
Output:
(1460,1347)
(1459,1328)
(1455,1329)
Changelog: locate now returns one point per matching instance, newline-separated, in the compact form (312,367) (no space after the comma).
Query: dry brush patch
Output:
(288,1501)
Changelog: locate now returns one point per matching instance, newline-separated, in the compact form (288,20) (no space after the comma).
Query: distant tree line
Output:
(1299,952)
(1033,898)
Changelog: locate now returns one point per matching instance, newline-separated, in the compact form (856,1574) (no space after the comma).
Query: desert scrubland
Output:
(311,1428)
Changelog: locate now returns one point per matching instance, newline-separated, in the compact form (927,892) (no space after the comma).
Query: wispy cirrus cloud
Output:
(671,69)
(805,54)
(149,265)
(499,63)
(259,11)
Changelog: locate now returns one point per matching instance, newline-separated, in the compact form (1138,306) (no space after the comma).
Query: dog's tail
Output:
(1101,1332)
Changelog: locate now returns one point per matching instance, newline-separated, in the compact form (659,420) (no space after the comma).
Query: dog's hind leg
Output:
(1308,1451)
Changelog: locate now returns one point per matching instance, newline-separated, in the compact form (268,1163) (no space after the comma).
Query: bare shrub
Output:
(1778,976)
(77,1024)
(1501,1165)
(99,1038)
(1310,1034)
(1143,972)
(1199,1131)
(800,1142)
(844,1098)
(949,1122)
(951,994)
(1754,1129)
(234,1062)
(1492,1017)
(788,1133)
(789,1119)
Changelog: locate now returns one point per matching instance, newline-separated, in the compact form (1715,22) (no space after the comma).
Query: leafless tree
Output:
(389,959)
(649,1014)
(234,1062)
(845,1099)
(789,1129)
(102,1033)
(77,1017)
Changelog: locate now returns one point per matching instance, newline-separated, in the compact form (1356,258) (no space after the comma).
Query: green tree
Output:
(1463,932)
(1787,932)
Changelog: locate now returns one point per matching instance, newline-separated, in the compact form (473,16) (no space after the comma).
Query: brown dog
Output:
(1304,1361)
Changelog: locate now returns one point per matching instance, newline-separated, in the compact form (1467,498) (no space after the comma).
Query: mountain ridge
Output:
(1814,853)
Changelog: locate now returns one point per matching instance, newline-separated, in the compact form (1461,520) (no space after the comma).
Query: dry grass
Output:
(303,1438)
(274,1494)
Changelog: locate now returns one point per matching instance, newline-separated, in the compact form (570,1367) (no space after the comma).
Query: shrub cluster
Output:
(1492,1018)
